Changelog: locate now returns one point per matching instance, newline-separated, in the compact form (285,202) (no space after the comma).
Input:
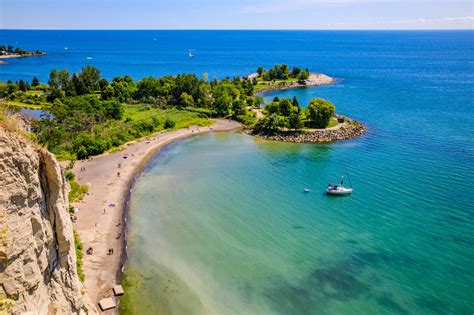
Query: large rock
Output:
(37,254)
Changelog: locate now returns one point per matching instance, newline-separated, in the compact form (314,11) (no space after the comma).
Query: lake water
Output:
(219,223)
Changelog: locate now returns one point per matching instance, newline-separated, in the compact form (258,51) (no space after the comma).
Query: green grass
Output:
(79,256)
(333,122)
(78,191)
(34,92)
(182,118)
(21,104)
(263,85)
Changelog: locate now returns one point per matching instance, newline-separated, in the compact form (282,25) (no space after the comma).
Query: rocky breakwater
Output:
(348,130)
(37,252)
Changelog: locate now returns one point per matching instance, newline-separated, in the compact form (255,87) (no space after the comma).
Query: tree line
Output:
(281,114)
(10,50)
(227,97)
(84,113)
(282,72)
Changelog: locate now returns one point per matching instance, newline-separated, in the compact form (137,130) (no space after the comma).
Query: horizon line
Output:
(230,29)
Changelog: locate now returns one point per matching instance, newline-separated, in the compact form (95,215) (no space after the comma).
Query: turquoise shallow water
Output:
(220,225)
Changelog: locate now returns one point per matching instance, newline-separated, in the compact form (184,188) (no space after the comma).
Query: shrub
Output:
(79,256)
(69,175)
(78,191)
(169,123)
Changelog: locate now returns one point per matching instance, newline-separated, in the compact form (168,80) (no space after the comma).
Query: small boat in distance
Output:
(65,48)
(190,54)
(89,58)
(306,190)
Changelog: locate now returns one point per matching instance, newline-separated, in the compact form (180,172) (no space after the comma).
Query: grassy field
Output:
(21,104)
(181,118)
(333,122)
(264,85)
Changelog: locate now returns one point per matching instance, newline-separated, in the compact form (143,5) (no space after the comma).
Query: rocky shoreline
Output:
(315,79)
(349,130)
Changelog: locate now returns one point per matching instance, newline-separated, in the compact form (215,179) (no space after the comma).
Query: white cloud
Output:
(439,20)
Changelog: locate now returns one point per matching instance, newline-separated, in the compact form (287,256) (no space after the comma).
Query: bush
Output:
(79,256)
(86,145)
(77,192)
(169,124)
(69,175)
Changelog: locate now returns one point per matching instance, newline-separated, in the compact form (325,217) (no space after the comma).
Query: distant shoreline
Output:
(13,56)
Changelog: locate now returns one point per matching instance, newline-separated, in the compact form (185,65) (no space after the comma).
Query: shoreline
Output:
(102,217)
(14,56)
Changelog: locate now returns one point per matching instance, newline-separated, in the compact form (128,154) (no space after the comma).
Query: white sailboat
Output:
(340,189)
(190,53)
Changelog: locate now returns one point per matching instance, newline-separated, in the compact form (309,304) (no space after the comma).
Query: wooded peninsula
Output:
(85,115)
(12,52)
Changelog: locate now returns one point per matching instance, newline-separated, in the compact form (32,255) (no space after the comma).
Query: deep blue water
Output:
(405,239)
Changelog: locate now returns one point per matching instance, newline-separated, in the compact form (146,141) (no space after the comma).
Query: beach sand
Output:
(100,216)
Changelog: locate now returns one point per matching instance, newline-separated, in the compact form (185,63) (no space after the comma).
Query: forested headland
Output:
(84,114)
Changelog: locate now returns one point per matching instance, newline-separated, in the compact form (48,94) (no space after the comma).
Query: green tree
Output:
(239,108)
(54,79)
(22,86)
(90,77)
(224,95)
(35,82)
(78,85)
(113,109)
(295,72)
(285,107)
(186,100)
(319,112)
(258,101)
(295,102)
(304,75)
(260,71)
(63,78)
(294,121)
(273,108)
(54,93)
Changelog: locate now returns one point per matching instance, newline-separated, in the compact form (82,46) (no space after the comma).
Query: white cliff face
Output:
(37,254)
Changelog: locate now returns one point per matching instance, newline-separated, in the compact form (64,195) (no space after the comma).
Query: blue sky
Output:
(235,14)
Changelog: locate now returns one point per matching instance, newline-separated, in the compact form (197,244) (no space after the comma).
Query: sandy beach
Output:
(100,216)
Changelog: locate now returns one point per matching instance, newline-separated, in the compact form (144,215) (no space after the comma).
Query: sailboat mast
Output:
(347,174)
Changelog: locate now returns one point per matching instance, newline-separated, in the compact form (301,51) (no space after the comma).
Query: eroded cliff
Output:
(37,254)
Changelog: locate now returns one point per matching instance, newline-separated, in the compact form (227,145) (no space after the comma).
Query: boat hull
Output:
(339,192)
